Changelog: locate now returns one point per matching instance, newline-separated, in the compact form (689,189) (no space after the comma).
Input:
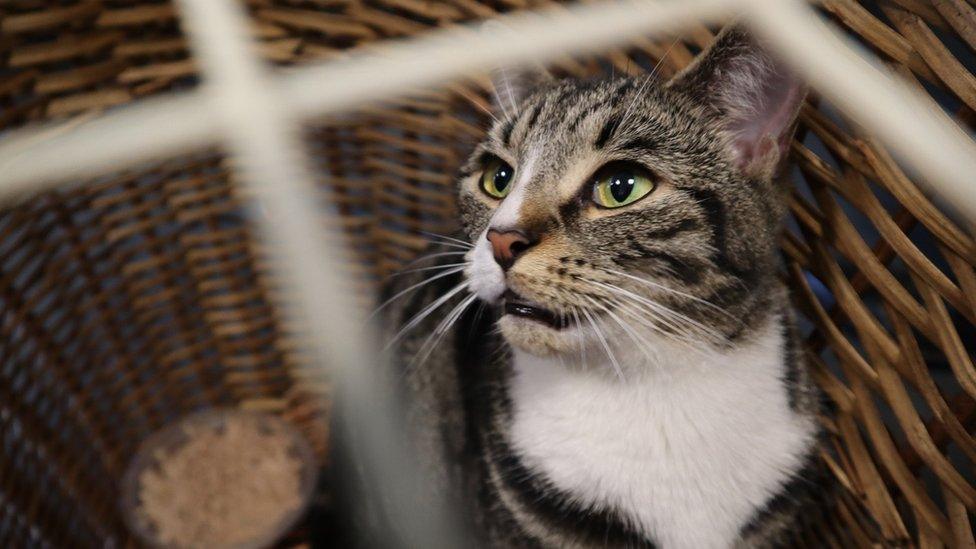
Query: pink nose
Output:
(506,246)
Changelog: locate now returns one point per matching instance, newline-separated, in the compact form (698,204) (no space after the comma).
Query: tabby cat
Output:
(606,356)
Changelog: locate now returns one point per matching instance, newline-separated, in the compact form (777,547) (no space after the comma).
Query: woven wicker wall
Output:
(137,298)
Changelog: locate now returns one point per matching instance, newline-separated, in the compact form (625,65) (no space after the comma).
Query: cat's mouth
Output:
(515,305)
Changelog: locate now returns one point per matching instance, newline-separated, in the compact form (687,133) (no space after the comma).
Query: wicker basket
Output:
(132,300)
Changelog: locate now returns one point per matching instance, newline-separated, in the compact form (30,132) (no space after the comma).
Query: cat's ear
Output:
(755,96)
(510,85)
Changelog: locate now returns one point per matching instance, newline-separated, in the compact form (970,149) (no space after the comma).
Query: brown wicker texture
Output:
(132,300)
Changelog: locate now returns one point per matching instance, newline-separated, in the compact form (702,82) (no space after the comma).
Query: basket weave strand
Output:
(135,299)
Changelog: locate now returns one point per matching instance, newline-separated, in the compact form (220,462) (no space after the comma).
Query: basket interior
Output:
(130,301)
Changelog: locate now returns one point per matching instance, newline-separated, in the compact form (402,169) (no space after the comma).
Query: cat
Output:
(605,355)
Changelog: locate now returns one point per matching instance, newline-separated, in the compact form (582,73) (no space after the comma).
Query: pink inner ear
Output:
(762,127)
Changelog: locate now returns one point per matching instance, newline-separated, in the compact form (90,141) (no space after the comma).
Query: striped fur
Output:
(681,306)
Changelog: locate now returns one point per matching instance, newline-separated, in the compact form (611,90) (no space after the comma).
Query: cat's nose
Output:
(508,245)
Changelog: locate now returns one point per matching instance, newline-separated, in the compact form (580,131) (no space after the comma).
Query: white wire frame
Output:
(256,115)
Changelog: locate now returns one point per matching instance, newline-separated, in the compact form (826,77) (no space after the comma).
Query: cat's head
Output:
(603,210)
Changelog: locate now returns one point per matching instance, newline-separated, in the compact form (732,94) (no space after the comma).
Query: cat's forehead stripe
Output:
(536,111)
(556,115)
(602,103)
(641,143)
(606,133)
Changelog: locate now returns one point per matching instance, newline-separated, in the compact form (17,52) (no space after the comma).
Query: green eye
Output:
(620,184)
(497,178)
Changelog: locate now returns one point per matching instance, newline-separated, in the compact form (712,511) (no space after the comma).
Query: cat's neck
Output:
(687,449)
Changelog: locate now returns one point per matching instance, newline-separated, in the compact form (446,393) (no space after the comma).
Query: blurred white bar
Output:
(166,127)
(264,139)
(912,124)
(541,36)
(257,116)
(915,128)
(32,160)
(66,152)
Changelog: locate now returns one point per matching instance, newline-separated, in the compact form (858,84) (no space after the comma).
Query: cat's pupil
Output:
(502,177)
(621,185)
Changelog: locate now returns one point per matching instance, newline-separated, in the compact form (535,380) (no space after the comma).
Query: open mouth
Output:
(516,306)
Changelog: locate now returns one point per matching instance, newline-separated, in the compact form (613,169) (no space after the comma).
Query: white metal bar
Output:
(167,127)
(910,123)
(36,159)
(528,37)
(258,115)
(263,138)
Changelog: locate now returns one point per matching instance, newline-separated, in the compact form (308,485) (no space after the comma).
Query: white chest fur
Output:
(687,452)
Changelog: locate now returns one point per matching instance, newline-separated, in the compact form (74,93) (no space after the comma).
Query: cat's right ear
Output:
(510,85)
(755,96)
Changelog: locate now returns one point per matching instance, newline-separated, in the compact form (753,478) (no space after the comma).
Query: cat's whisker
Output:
(455,314)
(451,245)
(432,256)
(674,315)
(688,330)
(503,92)
(638,341)
(651,77)
(442,328)
(477,317)
(679,293)
(658,314)
(419,317)
(644,317)
(445,238)
(684,330)
(657,323)
(667,52)
(505,112)
(579,335)
(473,100)
(606,345)
(411,288)
(659,318)
(648,79)
(432,268)
(427,348)
(683,337)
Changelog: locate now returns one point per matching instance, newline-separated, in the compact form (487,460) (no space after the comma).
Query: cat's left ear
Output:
(756,98)
(510,85)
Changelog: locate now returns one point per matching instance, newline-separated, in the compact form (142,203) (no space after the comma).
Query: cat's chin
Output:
(536,337)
